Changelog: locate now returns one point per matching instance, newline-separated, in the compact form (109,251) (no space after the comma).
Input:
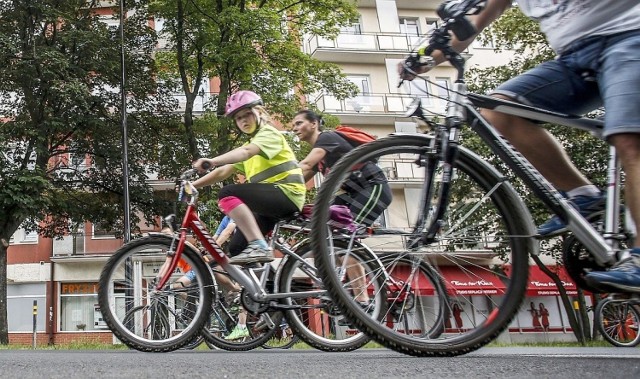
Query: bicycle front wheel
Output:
(143,317)
(480,249)
(618,321)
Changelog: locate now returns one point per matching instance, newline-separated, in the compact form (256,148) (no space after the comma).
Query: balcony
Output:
(374,109)
(361,48)
(404,4)
(203,102)
(72,244)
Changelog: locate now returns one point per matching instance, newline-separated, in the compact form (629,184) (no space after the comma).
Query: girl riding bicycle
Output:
(274,188)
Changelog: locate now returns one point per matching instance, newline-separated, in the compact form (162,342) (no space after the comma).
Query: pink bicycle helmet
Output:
(241,100)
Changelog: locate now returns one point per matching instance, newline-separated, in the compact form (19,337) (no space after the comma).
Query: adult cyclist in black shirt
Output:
(367,192)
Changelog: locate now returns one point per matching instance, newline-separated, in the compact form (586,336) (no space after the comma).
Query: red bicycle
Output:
(147,312)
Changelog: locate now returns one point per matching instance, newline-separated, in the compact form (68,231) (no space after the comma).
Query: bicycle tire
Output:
(194,343)
(618,322)
(224,318)
(170,319)
(485,214)
(410,313)
(282,340)
(317,323)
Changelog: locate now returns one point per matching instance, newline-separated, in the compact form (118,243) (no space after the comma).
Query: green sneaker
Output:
(237,333)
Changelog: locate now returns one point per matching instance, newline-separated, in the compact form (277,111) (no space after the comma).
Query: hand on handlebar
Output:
(417,63)
(203,165)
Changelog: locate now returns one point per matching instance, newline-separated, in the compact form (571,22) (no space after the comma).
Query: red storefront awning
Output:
(471,280)
(419,282)
(540,284)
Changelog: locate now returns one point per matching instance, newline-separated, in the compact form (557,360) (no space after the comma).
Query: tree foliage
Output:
(60,132)
(252,45)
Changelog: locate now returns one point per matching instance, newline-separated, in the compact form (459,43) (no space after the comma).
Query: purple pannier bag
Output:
(339,215)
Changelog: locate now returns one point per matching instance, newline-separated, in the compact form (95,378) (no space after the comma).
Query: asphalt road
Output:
(363,364)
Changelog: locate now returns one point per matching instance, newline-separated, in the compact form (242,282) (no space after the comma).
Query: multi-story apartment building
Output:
(61,275)
(369,51)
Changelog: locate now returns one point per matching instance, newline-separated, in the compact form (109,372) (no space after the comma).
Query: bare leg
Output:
(356,275)
(244,219)
(540,148)
(181,283)
(226,282)
(628,148)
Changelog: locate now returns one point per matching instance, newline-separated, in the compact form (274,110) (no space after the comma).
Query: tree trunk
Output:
(4,321)
(188,126)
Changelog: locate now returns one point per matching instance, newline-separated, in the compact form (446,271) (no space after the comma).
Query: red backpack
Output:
(354,136)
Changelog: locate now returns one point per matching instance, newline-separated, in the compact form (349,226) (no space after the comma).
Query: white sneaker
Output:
(252,254)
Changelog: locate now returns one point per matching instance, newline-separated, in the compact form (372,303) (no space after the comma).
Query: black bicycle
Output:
(459,215)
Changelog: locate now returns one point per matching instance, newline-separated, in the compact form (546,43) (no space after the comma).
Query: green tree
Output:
(59,80)
(516,32)
(246,45)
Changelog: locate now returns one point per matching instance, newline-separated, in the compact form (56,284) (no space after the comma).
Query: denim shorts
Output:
(592,72)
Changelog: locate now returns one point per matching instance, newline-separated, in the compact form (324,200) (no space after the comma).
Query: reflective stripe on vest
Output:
(273,171)
(292,178)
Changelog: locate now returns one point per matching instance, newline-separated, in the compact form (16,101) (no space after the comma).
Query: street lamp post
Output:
(125,134)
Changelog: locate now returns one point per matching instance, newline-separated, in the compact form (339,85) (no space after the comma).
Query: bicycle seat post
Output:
(612,210)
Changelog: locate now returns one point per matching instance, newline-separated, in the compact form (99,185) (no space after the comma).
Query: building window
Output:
(420,88)
(355,27)
(442,87)
(432,23)
(101,230)
(20,299)
(409,26)
(362,82)
(77,162)
(363,100)
(23,235)
(79,310)
(488,44)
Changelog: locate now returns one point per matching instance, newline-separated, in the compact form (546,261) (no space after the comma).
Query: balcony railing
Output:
(384,42)
(384,103)
(202,103)
(71,244)
(387,42)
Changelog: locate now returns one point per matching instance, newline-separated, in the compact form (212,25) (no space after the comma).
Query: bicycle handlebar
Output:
(454,14)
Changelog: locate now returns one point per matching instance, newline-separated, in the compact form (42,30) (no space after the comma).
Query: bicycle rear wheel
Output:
(618,321)
(480,251)
(315,318)
(224,318)
(417,297)
(283,338)
(143,317)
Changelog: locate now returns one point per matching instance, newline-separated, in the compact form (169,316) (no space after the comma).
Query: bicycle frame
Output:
(306,267)
(246,277)
(462,106)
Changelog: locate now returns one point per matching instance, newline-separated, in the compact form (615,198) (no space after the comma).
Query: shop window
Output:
(20,301)
(79,310)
